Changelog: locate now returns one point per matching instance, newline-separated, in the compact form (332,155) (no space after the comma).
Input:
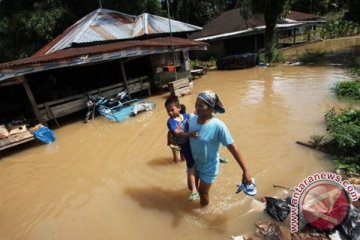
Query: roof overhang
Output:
(95,54)
(258,30)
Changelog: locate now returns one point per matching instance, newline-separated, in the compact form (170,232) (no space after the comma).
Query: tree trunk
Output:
(269,39)
(273,9)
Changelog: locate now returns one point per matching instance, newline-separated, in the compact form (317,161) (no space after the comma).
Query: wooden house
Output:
(238,31)
(102,53)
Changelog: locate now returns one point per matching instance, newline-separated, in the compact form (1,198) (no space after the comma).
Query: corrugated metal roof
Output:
(98,53)
(233,24)
(104,25)
(249,31)
(229,21)
(301,16)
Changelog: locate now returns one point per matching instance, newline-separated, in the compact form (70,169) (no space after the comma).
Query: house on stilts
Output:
(102,53)
(238,31)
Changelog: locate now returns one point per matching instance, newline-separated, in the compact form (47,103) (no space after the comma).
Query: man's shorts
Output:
(208,178)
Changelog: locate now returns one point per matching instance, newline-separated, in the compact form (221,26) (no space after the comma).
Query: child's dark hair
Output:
(183,108)
(172,100)
(175,100)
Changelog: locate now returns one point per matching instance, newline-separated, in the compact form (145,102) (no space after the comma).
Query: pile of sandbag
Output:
(4,133)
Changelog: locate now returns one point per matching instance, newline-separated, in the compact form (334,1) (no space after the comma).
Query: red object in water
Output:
(169,68)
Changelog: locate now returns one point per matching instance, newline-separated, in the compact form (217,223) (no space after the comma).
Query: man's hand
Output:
(194,134)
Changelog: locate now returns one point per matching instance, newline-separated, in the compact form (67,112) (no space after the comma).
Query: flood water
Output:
(105,180)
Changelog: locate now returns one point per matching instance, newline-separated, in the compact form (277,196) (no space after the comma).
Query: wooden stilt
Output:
(51,115)
(31,99)
(294,32)
(124,77)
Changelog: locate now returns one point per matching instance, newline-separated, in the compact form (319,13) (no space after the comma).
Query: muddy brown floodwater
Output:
(105,180)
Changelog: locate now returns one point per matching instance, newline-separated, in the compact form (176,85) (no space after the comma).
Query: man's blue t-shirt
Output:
(205,147)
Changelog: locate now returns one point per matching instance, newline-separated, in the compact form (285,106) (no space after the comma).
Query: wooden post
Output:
(124,77)
(50,114)
(31,98)
(256,49)
(255,44)
(294,32)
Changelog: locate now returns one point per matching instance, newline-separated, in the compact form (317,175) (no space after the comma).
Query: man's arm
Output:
(182,134)
(239,157)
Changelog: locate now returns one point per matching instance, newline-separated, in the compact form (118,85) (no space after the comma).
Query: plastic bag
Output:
(142,106)
(277,208)
(45,135)
(350,229)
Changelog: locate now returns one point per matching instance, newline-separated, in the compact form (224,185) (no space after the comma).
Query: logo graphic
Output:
(322,200)
(324,205)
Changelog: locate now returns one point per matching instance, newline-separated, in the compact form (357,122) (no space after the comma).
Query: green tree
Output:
(197,12)
(134,7)
(318,7)
(353,12)
(26,25)
(272,10)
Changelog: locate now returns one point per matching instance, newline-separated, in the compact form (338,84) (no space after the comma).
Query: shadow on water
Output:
(173,201)
(163,161)
(8,152)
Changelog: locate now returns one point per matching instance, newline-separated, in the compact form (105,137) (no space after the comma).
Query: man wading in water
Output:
(205,147)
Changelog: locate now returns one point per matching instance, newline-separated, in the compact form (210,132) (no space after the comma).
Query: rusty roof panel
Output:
(104,25)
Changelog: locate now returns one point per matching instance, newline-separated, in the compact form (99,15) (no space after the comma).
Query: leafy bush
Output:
(209,63)
(348,88)
(355,71)
(277,56)
(336,26)
(212,62)
(355,66)
(262,57)
(348,164)
(194,63)
(343,139)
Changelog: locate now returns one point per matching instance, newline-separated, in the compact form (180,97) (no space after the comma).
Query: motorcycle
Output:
(97,103)
(118,108)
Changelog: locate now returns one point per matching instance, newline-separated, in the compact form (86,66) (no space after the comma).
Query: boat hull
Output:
(125,110)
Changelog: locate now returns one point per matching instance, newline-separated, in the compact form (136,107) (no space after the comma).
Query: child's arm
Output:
(240,160)
(182,134)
